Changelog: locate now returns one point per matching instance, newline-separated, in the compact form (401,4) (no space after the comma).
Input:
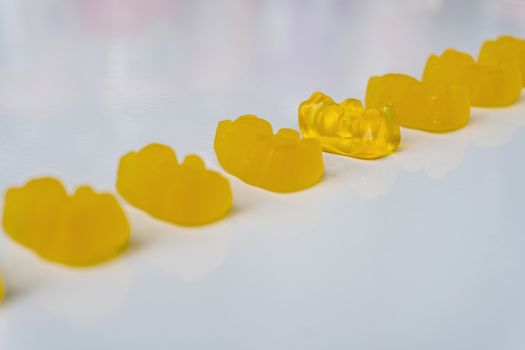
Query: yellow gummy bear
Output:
(248,149)
(347,128)
(185,194)
(82,229)
(505,49)
(429,106)
(489,85)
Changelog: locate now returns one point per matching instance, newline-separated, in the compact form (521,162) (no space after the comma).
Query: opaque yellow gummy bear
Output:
(505,49)
(248,149)
(185,194)
(427,106)
(347,128)
(489,84)
(83,229)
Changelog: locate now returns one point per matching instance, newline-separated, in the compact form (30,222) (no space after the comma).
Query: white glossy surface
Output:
(420,250)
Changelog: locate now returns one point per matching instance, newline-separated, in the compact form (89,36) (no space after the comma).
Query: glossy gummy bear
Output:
(489,84)
(349,129)
(82,229)
(248,149)
(429,106)
(185,194)
(504,50)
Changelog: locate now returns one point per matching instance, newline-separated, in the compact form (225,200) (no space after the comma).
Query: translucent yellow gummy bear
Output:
(248,149)
(347,128)
(83,229)
(489,84)
(429,106)
(185,194)
(505,49)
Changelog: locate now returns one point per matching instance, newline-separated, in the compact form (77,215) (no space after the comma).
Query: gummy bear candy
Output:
(248,149)
(489,84)
(185,194)
(347,128)
(429,106)
(506,49)
(82,229)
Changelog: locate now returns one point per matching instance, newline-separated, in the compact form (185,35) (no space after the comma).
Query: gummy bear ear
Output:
(289,134)
(194,161)
(83,191)
(318,97)
(352,105)
(158,151)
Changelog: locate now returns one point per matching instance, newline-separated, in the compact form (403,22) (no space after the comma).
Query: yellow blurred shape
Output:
(504,50)
(186,194)
(248,149)
(82,229)
(2,289)
(489,84)
(429,106)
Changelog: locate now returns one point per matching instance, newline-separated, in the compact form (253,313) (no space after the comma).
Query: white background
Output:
(420,250)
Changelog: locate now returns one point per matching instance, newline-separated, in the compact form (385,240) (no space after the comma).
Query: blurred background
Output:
(421,250)
(83,78)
